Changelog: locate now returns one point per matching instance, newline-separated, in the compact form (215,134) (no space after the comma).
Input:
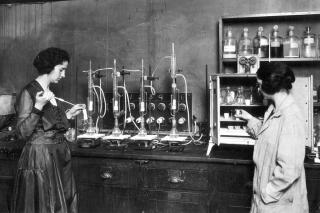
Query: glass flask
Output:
(229,45)
(308,44)
(261,44)
(223,94)
(276,46)
(229,96)
(245,43)
(291,45)
(240,99)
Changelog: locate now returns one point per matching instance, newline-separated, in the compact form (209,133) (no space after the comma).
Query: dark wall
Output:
(102,30)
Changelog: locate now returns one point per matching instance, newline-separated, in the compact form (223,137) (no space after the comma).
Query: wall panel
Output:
(101,30)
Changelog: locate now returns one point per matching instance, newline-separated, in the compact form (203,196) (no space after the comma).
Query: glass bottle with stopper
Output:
(276,45)
(308,44)
(261,44)
(229,45)
(245,43)
(291,44)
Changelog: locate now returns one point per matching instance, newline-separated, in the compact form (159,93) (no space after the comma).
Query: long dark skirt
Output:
(44,182)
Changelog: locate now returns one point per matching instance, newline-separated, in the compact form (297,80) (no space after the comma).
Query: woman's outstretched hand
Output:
(75,110)
(244,115)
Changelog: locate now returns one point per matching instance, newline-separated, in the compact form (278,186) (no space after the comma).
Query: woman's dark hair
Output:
(47,59)
(275,76)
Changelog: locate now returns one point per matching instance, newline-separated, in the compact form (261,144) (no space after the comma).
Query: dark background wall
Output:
(126,30)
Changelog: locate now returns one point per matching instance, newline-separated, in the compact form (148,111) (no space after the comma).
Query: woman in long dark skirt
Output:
(44,181)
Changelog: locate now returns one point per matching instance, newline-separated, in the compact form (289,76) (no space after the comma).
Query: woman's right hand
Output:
(42,98)
(243,115)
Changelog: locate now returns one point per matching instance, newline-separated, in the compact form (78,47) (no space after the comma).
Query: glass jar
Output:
(261,44)
(291,44)
(308,44)
(229,96)
(245,43)
(240,99)
(229,45)
(276,45)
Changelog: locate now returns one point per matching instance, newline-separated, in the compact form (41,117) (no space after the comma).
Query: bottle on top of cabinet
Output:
(276,45)
(229,45)
(245,43)
(308,44)
(291,45)
(261,44)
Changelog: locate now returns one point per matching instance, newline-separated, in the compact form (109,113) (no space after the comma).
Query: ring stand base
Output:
(88,142)
(115,142)
(175,143)
(143,137)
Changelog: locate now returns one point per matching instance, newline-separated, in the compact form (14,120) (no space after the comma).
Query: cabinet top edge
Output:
(233,75)
(270,15)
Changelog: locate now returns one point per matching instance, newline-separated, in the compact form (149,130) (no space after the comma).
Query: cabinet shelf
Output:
(272,17)
(236,75)
(222,119)
(239,105)
(233,60)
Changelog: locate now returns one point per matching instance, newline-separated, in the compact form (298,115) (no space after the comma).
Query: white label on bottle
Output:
(275,44)
(308,40)
(229,48)
(263,42)
(294,45)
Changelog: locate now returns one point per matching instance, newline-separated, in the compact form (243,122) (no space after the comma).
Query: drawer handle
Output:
(141,162)
(106,175)
(175,179)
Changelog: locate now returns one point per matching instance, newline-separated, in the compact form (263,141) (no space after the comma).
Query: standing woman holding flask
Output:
(279,183)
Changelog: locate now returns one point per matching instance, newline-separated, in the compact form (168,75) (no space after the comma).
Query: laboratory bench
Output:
(159,180)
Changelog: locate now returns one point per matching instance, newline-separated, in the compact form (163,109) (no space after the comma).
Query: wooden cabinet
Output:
(8,166)
(313,186)
(161,182)
(229,93)
(305,69)
(134,185)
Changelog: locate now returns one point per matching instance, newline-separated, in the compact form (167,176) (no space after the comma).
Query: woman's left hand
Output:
(75,110)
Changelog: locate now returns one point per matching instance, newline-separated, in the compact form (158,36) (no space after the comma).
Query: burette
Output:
(115,100)
(173,132)
(142,105)
(101,101)
(91,128)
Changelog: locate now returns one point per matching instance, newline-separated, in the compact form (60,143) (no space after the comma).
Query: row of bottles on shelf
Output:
(240,96)
(290,47)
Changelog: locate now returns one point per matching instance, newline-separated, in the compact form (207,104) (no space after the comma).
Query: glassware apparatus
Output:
(291,44)
(276,45)
(308,44)
(245,43)
(261,44)
(229,45)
